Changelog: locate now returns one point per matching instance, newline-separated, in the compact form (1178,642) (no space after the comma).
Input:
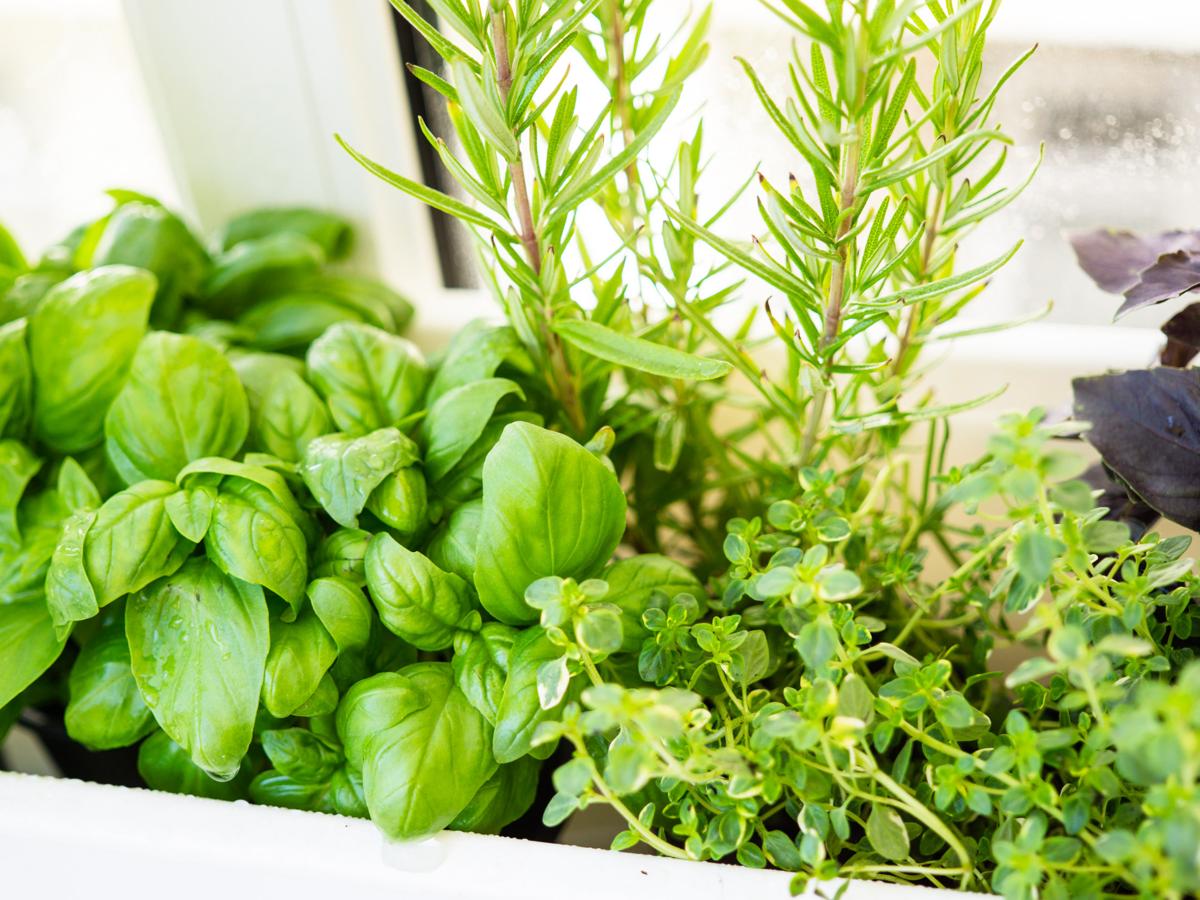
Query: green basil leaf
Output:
(372,705)
(301,653)
(374,302)
(465,480)
(634,583)
(76,487)
(165,766)
(329,231)
(214,472)
(401,502)
(256,269)
(18,465)
(300,754)
(16,380)
(132,542)
(70,596)
(520,711)
(475,353)
(550,507)
(341,555)
(106,709)
(29,644)
(369,378)
(182,402)
(480,665)
(191,511)
(253,537)
(292,321)
(416,600)
(637,353)
(285,411)
(503,799)
(198,648)
(452,546)
(82,339)
(344,610)
(457,419)
(148,236)
(341,471)
(422,765)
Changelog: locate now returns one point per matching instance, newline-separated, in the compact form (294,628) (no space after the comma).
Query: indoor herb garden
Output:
(678,537)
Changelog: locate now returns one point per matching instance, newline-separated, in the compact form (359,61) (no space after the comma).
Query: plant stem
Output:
(622,100)
(559,376)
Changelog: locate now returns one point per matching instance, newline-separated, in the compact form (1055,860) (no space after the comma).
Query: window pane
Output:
(74,118)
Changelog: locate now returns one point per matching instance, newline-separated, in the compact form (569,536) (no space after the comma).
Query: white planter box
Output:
(66,838)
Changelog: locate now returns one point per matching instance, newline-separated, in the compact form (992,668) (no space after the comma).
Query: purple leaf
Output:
(1122,506)
(1146,425)
(1173,275)
(1115,259)
(1183,337)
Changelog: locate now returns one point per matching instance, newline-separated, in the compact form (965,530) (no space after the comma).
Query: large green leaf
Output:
(456,420)
(29,644)
(369,378)
(182,402)
(520,711)
(301,653)
(637,353)
(424,750)
(132,542)
(550,507)
(82,338)
(341,471)
(106,709)
(285,412)
(416,600)
(198,647)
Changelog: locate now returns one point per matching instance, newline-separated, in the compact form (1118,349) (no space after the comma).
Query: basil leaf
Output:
(150,237)
(503,799)
(300,654)
(344,610)
(198,648)
(182,402)
(29,644)
(457,419)
(191,511)
(165,766)
(425,759)
(416,600)
(285,412)
(18,465)
(550,507)
(480,664)
(634,583)
(70,596)
(255,269)
(452,546)
(106,709)
(341,554)
(369,378)
(253,537)
(341,471)
(16,380)
(329,231)
(132,542)
(82,339)
(520,711)
(300,754)
(475,352)
(401,502)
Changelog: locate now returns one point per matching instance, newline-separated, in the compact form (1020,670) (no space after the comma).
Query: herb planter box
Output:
(128,843)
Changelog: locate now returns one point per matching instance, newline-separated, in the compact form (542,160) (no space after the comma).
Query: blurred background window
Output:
(1113,91)
(1111,94)
(74,117)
